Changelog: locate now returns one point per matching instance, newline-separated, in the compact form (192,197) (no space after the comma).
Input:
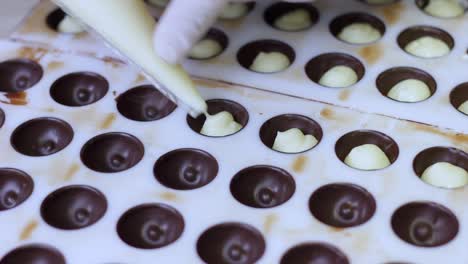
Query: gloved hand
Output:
(183,24)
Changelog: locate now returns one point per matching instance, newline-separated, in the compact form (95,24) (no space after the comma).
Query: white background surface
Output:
(12,12)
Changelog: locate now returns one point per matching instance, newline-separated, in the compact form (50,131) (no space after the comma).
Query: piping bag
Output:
(127,27)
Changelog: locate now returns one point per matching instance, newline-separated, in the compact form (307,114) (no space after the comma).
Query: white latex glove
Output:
(184,22)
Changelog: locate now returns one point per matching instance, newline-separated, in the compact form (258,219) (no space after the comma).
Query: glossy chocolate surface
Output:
(15,187)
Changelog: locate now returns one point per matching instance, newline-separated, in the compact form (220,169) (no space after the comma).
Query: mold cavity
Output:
(291,16)
(357,28)
(112,152)
(459,98)
(73,207)
(15,187)
(342,205)
(150,226)
(158,3)
(424,224)
(41,136)
(79,89)
(19,75)
(379,2)
(367,150)
(210,46)
(442,8)
(291,133)
(335,70)
(34,253)
(2,117)
(58,21)
(225,118)
(406,84)
(426,42)
(144,103)
(236,10)
(262,186)
(185,169)
(314,253)
(266,56)
(442,167)
(235,243)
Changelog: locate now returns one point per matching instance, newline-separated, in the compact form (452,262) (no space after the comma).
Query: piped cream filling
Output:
(444,8)
(234,11)
(269,62)
(427,47)
(69,25)
(410,90)
(205,49)
(220,125)
(446,175)
(367,157)
(464,107)
(296,20)
(339,77)
(359,33)
(293,141)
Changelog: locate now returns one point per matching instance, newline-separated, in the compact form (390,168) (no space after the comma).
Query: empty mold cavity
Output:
(357,28)
(266,56)
(426,42)
(291,17)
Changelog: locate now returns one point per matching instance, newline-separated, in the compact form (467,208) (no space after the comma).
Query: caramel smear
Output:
(269,222)
(460,140)
(55,65)
(327,113)
(107,123)
(393,12)
(31,53)
(372,53)
(74,168)
(299,164)
(114,63)
(168,196)
(19,98)
(140,78)
(28,230)
(344,95)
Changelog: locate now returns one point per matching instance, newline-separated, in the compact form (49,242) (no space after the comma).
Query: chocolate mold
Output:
(281,227)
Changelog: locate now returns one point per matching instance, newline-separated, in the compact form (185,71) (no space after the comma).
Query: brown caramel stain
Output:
(19,98)
(140,78)
(344,95)
(114,63)
(49,109)
(32,53)
(74,168)
(459,139)
(28,230)
(393,12)
(299,164)
(336,229)
(269,222)
(372,54)
(108,121)
(55,65)
(169,196)
(327,113)
(80,36)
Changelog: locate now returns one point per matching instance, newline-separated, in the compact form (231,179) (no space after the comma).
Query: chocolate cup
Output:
(34,254)
(231,243)
(279,9)
(218,36)
(79,89)
(459,95)
(342,21)
(342,205)
(215,106)
(112,152)
(42,136)
(15,187)
(319,65)
(262,186)
(424,224)
(250,6)
(18,75)
(357,138)
(314,253)
(422,4)
(433,155)
(73,207)
(144,103)
(150,226)
(391,77)
(2,117)
(54,18)
(282,123)
(185,169)
(413,33)
(247,54)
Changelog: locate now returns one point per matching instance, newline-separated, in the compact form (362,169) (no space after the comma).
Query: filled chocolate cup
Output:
(249,52)
(459,95)
(219,37)
(341,22)
(416,32)
(279,9)
(19,75)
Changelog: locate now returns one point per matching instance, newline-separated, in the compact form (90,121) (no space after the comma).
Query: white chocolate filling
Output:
(220,125)
(69,25)
(293,141)
(359,33)
(160,3)
(446,175)
(269,62)
(339,77)
(234,11)
(444,8)
(133,16)
(410,90)
(367,157)
(205,49)
(296,20)
(427,47)
(464,107)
